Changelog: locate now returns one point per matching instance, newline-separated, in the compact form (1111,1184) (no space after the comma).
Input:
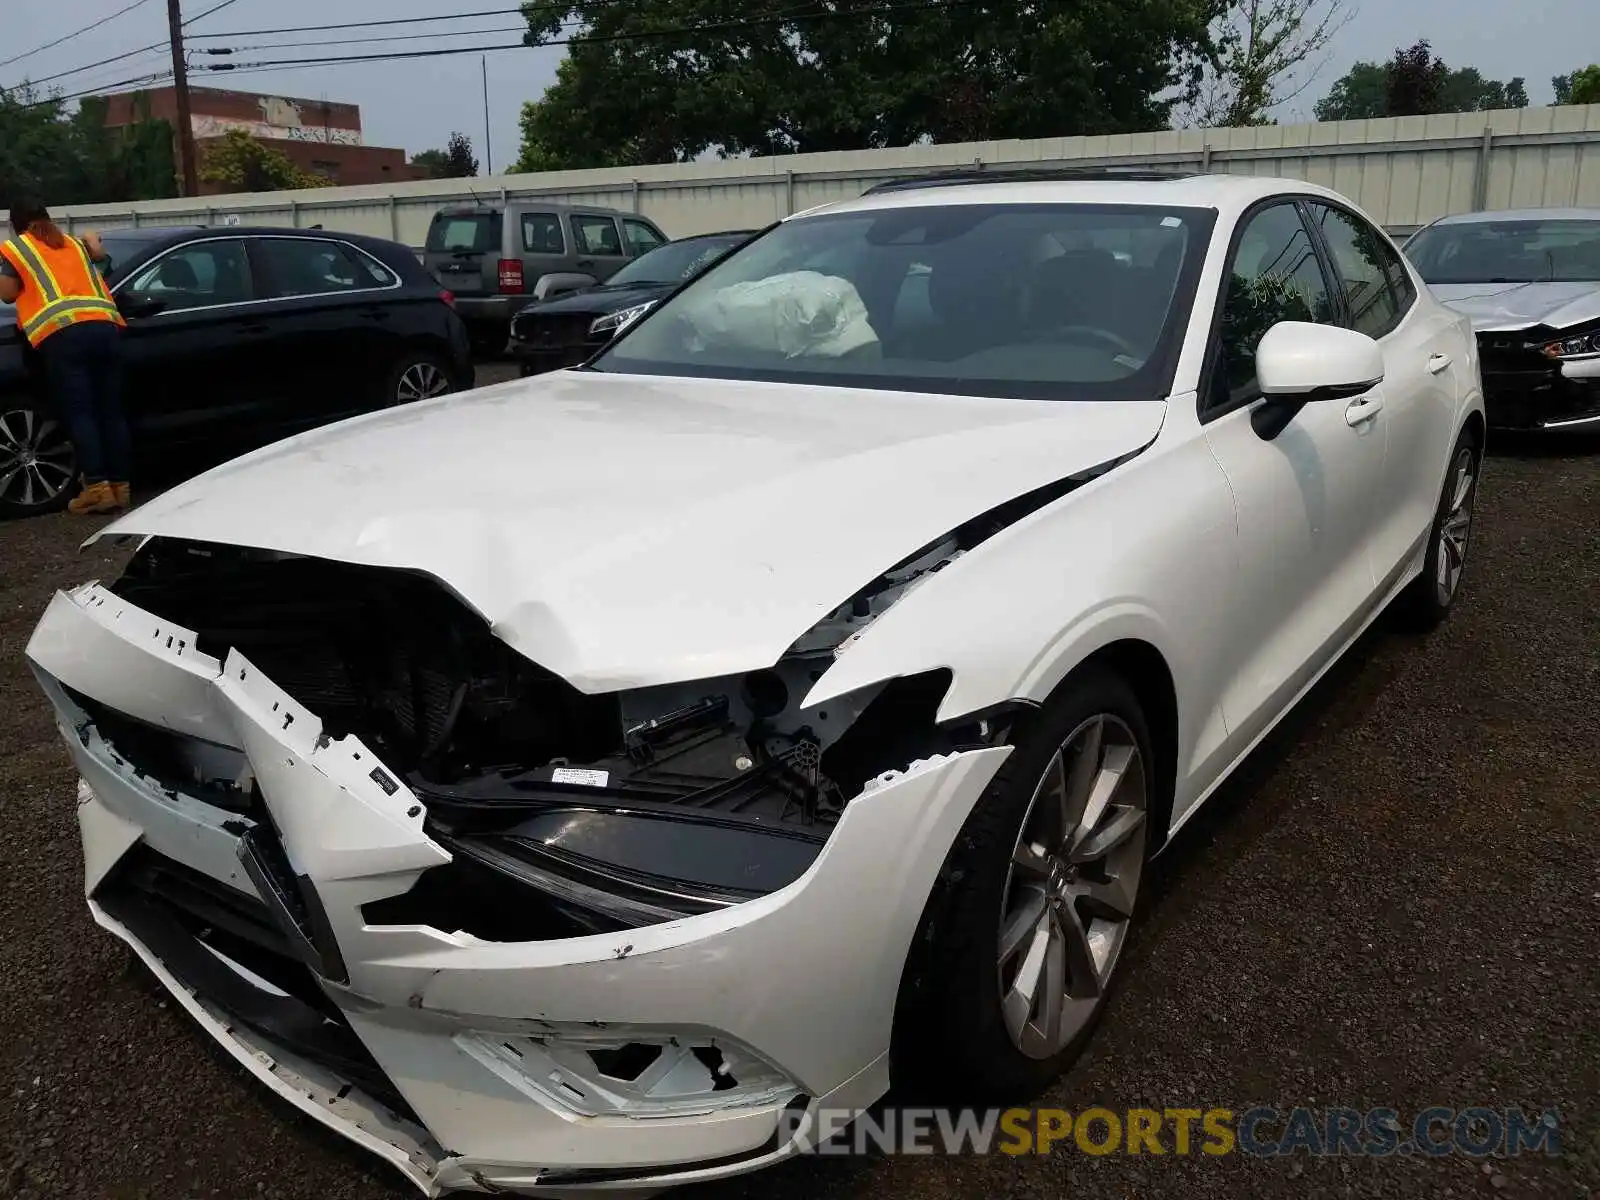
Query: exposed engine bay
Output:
(622,809)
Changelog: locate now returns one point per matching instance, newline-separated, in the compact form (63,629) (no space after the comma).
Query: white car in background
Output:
(1530,281)
(587,782)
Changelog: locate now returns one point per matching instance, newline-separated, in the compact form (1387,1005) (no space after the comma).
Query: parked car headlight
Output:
(1573,346)
(615,323)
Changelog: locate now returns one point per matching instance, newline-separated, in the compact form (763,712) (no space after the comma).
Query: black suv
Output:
(237,337)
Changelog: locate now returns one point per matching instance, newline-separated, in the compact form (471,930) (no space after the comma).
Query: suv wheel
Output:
(418,377)
(38,463)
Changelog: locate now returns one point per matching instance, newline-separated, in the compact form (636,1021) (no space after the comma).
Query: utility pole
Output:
(180,89)
(488,150)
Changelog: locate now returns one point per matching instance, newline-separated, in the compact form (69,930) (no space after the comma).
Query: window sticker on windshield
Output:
(1170,222)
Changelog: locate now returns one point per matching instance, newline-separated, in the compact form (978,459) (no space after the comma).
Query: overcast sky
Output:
(416,104)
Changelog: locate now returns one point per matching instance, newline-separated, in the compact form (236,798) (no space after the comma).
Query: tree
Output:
(1360,93)
(669,80)
(459,160)
(1261,53)
(455,161)
(240,163)
(1465,90)
(432,162)
(71,157)
(1580,87)
(1414,82)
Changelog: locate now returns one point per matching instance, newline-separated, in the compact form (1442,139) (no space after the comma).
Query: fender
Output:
(1038,599)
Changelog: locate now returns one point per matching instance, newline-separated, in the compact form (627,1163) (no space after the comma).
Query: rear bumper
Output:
(463,1062)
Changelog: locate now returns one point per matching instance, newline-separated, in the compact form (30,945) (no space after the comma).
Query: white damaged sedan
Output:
(590,782)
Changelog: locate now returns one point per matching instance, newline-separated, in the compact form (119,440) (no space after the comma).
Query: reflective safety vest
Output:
(60,287)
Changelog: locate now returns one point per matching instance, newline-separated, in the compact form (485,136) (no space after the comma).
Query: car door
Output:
(1419,388)
(332,329)
(1303,497)
(195,353)
(599,244)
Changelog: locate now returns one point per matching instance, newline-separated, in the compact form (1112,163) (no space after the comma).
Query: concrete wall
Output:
(1405,170)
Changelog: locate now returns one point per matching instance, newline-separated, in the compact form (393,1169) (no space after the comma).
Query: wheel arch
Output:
(1144,668)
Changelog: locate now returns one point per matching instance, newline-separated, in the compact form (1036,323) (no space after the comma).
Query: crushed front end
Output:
(1540,378)
(506,935)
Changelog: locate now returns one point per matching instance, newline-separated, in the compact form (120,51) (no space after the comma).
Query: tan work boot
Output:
(122,494)
(94,499)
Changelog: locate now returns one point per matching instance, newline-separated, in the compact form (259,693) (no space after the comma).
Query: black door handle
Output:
(256,328)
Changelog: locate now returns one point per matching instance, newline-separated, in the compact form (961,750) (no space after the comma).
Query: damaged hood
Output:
(627,531)
(1501,306)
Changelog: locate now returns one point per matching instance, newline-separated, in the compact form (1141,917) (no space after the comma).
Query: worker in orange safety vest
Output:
(67,314)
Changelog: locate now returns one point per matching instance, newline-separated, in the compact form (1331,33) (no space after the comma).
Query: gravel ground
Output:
(1394,905)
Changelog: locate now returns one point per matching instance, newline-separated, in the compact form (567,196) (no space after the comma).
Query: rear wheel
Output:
(1021,939)
(38,463)
(418,376)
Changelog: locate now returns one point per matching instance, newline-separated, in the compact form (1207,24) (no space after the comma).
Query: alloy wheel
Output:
(1072,886)
(1455,528)
(37,459)
(421,381)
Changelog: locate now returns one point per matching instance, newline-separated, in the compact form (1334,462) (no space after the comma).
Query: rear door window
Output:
(307,267)
(642,236)
(541,234)
(475,233)
(1368,268)
(597,236)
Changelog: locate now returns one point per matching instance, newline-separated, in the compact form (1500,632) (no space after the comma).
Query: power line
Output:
(467,16)
(387,37)
(137,83)
(635,35)
(103,62)
(215,8)
(75,33)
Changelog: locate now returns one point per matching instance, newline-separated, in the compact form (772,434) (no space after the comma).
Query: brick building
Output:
(320,136)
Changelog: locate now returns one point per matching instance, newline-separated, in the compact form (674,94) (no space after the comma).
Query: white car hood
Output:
(1497,306)
(627,531)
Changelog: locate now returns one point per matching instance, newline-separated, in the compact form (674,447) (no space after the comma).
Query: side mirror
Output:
(135,307)
(1299,362)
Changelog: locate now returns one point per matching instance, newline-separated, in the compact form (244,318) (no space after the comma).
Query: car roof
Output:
(1521,214)
(1222,192)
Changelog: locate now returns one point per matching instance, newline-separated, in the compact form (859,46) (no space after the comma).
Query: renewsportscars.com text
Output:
(1261,1132)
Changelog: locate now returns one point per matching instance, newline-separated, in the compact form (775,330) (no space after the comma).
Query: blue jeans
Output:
(83,363)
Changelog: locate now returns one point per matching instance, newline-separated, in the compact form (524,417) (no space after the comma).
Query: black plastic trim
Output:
(284,1020)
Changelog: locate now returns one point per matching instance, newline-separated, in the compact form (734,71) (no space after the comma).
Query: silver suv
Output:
(496,258)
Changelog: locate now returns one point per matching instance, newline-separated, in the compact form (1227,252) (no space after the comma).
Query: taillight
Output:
(511,275)
(448,297)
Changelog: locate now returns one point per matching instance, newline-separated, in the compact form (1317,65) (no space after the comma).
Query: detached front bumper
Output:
(667,1054)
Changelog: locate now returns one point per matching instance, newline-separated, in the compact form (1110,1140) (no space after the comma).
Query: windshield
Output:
(1562,251)
(1061,301)
(124,248)
(474,233)
(675,262)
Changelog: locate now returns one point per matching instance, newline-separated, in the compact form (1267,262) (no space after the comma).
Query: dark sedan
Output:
(551,334)
(237,337)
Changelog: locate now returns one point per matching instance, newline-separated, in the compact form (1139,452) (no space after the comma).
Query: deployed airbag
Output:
(796,314)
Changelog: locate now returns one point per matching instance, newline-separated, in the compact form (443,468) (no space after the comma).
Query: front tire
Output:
(1020,940)
(38,462)
(1432,594)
